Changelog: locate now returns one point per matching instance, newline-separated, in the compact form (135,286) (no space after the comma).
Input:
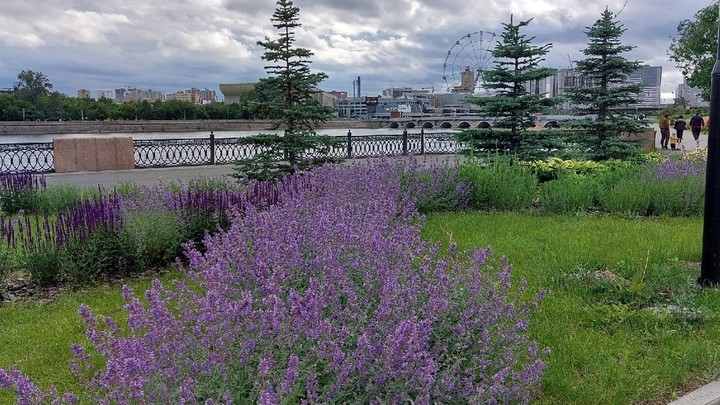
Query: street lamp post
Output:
(710,267)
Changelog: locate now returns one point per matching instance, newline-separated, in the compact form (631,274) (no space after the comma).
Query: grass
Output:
(36,336)
(622,315)
(608,346)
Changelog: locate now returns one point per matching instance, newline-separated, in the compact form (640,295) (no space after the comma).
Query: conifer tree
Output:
(517,63)
(608,70)
(290,103)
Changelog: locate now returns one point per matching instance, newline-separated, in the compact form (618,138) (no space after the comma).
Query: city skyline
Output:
(80,44)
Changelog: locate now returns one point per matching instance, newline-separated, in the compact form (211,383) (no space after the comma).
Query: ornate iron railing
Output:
(26,157)
(189,152)
(38,157)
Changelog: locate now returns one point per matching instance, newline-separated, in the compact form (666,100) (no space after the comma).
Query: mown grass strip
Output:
(622,314)
(36,336)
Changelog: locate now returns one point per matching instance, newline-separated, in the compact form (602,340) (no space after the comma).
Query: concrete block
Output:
(64,158)
(125,153)
(105,152)
(86,154)
(648,137)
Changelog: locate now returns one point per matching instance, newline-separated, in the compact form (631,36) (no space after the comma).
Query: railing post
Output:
(349,145)
(212,148)
(422,141)
(404,142)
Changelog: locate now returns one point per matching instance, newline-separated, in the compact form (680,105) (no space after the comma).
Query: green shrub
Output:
(679,197)
(568,194)
(630,196)
(59,197)
(100,255)
(45,265)
(501,184)
(153,238)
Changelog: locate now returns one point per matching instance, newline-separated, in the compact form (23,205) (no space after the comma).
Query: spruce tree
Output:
(608,70)
(289,92)
(517,64)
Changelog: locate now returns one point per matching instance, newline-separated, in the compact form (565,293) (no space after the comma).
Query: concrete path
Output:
(146,177)
(706,395)
(150,177)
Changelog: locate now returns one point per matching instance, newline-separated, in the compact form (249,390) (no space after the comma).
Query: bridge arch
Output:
(464,124)
(446,124)
(394,125)
(410,125)
(428,124)
(484,125)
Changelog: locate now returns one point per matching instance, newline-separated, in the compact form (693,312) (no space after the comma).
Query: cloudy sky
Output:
(174,45)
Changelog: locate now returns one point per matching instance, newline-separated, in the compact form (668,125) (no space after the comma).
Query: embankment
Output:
(100,127)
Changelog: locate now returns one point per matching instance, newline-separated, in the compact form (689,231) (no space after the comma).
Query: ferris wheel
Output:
(467,59)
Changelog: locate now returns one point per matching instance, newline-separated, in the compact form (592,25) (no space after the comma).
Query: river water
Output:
(9,139)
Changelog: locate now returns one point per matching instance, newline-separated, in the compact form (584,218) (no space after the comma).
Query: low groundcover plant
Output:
(328,296)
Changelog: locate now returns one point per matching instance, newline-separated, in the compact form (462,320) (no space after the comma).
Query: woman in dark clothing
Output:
(680,127)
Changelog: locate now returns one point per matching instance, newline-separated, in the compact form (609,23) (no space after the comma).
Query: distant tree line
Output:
(34,100)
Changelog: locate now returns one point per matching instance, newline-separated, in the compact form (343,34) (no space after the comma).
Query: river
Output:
(10,139)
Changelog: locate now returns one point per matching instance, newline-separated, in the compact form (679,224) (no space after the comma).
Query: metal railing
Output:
(38,157)
(212,150)
(26,157)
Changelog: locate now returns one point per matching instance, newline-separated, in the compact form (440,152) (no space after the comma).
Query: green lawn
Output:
(622,315)
(36,336)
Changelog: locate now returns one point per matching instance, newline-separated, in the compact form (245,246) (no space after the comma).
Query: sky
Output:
(176,45)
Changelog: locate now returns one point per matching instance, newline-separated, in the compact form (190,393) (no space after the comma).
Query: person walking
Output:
(680,126)
(696,124)
(664,130)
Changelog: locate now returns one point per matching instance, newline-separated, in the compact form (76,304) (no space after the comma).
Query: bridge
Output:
(445,122)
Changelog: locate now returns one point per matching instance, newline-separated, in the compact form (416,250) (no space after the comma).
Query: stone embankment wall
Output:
(100,127)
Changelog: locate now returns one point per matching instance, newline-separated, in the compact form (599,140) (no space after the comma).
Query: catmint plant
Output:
(328,295)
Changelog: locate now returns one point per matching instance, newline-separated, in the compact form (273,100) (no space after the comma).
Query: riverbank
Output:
(104,127)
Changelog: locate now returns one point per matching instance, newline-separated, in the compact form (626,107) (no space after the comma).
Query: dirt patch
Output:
(19,288)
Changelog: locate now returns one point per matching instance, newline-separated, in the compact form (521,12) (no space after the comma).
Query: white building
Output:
(691,95)
(108,94)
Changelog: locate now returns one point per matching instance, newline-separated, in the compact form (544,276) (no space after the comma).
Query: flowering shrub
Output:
(20,191)
(434,187)
(328,296)
(115,233)
(500,184)
(672,185)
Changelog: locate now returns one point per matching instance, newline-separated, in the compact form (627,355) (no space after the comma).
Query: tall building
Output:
(108,94)
(135,94)
(650,77)
(195,96)
(467,80)
(397,92)
(119,96)
(691,95)
(339,95)
(83,93)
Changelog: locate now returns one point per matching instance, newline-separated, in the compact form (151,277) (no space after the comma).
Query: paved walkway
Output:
(147,177)
(150,177)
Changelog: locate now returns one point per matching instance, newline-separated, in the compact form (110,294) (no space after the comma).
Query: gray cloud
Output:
(170,46)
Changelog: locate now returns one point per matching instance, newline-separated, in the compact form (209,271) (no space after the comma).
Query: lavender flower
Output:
(321,291)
